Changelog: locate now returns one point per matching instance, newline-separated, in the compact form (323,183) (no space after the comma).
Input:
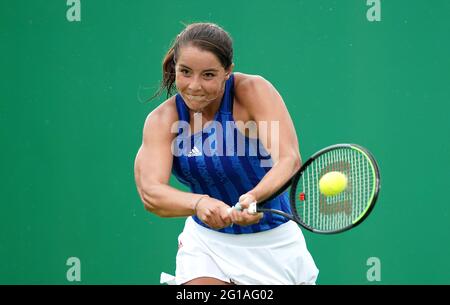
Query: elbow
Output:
(149,199)
(296,162)
(292,162)
(149,206)
(152,207)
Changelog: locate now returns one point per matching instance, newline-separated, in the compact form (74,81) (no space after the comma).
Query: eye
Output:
(184,71)
(209,75)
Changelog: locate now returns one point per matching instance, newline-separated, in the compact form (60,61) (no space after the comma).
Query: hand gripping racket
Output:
(335,213)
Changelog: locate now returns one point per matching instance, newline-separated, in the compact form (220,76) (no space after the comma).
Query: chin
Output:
(196,106)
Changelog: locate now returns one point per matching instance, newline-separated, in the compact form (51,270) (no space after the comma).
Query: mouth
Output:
(195,97)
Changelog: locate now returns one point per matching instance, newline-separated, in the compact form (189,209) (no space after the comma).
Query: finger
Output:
(257,216)
(211,222)
(234,216)
(219,222)
(240,216)
(222,219)
(245,202)
(253,218)
(215,225)
(246,199)
(226,218)
(230,215)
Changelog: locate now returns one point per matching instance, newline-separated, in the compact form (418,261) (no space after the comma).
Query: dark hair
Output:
(205,36)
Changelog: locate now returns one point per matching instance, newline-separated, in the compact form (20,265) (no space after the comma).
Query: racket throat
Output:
(286,215)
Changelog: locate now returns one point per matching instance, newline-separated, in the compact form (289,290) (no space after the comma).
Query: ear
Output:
(229,71)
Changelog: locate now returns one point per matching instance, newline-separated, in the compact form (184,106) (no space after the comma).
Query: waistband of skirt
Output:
(284,233)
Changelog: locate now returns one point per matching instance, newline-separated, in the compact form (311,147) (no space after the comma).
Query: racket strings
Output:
(330,213)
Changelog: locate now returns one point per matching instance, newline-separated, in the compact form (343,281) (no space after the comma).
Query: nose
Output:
(195,84)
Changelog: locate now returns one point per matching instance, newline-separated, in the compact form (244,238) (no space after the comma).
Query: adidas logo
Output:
(195,152)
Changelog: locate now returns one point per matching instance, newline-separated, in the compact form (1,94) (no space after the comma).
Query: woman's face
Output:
(200,77)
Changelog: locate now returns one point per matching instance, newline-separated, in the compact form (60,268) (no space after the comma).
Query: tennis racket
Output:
(319,213)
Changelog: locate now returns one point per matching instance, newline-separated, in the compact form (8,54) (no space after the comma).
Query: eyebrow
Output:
(207,70)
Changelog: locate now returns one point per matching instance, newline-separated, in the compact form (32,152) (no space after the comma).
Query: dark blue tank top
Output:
(223,163)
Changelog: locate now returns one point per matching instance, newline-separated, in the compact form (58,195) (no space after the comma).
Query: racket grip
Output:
(235,207)
(251,208)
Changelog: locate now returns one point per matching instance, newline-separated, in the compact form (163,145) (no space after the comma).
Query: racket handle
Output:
(251,208)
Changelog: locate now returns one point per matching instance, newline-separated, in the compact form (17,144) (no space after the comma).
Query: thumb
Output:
(246,199)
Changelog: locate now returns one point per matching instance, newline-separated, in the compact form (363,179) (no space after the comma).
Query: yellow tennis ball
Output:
(332,183)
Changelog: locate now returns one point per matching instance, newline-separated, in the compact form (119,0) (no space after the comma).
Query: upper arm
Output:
(267,108)
(153,163)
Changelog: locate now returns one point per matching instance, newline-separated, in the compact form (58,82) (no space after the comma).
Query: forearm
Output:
(166,201)
(279,174)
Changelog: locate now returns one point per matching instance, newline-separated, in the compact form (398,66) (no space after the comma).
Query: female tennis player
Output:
(202,136)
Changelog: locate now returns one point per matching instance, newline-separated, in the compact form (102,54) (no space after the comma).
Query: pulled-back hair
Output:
(205,36)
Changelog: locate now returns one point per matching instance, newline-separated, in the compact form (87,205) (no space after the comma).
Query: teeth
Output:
(192,97)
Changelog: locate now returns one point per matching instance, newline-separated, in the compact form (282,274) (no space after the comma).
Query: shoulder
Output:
(162,117)
(254,92)
(247,84)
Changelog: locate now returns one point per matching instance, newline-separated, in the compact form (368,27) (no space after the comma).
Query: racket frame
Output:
(298,175)
(258,207)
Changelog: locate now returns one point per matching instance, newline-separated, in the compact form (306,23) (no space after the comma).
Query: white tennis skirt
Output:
(274,257)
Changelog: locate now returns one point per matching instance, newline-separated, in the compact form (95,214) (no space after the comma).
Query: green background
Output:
(72,111)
